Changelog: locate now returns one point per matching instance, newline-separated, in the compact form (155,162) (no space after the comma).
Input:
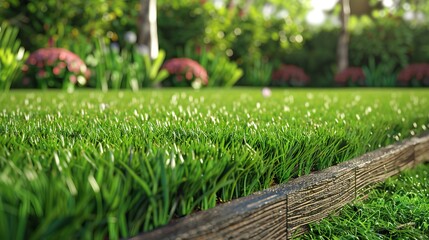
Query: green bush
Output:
(381,45)
(180,23)
(222,71)
(257,73)
(12,56)
(419,51)
(386,39)
(380,75)
(65,21)
(317,56)
(115,68)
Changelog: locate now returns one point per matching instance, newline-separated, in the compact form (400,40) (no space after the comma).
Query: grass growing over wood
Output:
(96,165)
(396,209)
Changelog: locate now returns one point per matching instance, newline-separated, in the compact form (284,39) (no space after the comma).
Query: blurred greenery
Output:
(67,21)
(114,68)
(390,39)
(316,56)
(180,22)
(272,32)
(222,71)
(12,56)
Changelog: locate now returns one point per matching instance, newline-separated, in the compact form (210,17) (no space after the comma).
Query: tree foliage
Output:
(64,20)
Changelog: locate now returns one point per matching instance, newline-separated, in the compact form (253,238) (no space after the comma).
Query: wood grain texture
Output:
(421,149)
(286,210)
(389,163)
(261,214)
(329,190)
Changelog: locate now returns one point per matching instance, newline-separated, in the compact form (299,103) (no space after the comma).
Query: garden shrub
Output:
(257,73)
(384,39)
(381,74)
(186,68)
(317,56)
(380,45)
(419,51)
(222,71)
(12,56)
(414,75)
(180,22)
(290,75)
(350,76)
(259,44)
(244,37)
(124,68)
(253,32)
(66,21)
(54,68)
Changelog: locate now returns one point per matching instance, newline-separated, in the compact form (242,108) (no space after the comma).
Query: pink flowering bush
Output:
(54,68)
(350,76)
(414,74)
(289,75)
(186,72)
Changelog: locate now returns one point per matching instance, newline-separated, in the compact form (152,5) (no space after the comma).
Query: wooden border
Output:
(286,210)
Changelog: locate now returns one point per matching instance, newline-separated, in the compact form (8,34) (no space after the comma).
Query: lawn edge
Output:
(285,210)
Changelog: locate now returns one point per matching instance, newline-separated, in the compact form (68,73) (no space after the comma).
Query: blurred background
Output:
(127,43)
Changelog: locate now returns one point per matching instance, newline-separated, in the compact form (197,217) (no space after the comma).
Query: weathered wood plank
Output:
(406,158)
(328,191)
(391,161)
(263,213)
(265,222)
(421,149)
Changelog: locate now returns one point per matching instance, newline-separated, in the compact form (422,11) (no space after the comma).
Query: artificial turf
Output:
(395,209)
(95,165)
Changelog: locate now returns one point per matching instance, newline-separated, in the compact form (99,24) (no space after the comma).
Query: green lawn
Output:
(396,209)
(97,165)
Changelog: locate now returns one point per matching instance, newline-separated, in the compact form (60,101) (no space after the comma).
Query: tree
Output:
(343,41)
(148,33)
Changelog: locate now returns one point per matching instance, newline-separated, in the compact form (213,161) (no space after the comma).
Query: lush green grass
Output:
(396,209)
(92,165)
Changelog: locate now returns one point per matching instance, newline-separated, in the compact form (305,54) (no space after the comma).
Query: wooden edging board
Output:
(285,210)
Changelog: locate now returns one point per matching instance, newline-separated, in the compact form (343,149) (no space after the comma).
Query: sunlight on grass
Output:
(96,165)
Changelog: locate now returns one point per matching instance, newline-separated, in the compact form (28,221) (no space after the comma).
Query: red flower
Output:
(26,81)
(350,74)
(188,68)
(41,73)
(50,56)
(290,75)
(56,70)
(24,68)
(416,71)
(62,65)
(56,64)
(73,79)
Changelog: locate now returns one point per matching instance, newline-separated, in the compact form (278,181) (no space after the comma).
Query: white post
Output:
(154,48)
(148,33)
(343,41)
